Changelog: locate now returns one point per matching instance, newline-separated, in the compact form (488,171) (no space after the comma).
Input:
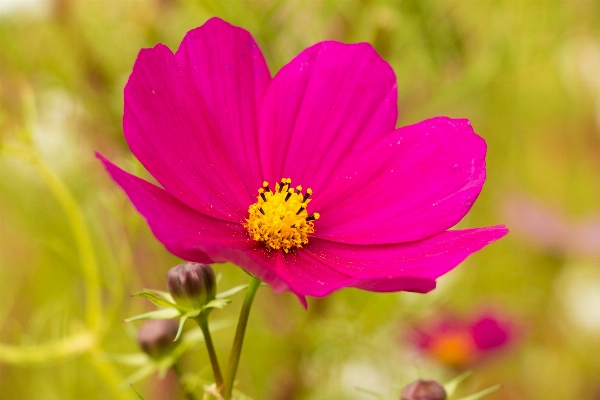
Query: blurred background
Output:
(523,312)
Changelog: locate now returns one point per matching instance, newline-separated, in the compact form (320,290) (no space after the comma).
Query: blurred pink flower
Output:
(549,228)
(212,126)
(460,342)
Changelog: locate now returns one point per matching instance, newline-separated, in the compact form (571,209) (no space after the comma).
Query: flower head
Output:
(460,342)
(225,141)
(192,284)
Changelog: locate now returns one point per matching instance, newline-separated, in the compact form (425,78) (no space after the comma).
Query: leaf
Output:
(451,386)
(156,299)
(138,393)
(481,394)
(231,291)
(167,313)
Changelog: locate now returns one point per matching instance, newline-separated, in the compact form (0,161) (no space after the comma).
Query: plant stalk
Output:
(202,321)
(238,341)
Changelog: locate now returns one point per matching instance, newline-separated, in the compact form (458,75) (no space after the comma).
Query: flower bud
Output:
(192,284)
(423,390)
(156,337)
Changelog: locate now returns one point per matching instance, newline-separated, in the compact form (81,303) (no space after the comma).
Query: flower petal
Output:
(191,235)
(405,266)
(331,100)
(171,131)
(309,276)
(418,181)
(230,72)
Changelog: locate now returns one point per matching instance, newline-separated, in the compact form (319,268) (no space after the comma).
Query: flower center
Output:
(279,218)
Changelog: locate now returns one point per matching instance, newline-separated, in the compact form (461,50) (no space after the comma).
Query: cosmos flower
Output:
(301,179)
(461,342)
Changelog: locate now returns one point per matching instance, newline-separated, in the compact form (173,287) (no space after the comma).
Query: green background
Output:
(527,75)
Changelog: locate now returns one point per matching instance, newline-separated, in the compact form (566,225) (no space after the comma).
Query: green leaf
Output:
(451,386)
(167,313)
(481,394)
(232,291)
(138,393)
(159,301)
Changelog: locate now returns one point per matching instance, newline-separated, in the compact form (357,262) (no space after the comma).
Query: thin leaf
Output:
(167,313)
(451,386)
(138,393)
(232,291)
(481,394)
(156,299)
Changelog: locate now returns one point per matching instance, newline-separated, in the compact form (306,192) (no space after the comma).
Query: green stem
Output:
(238,341)
(202,321)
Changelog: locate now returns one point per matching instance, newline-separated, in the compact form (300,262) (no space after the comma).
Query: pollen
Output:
(279,218)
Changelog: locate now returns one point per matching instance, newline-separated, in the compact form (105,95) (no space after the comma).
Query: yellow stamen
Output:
(279,218)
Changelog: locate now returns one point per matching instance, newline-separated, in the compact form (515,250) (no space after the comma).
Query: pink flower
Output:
(460,342)
(212,126)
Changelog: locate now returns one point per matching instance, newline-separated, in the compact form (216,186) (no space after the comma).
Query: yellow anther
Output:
(309,191)
(317,215)
(279,219)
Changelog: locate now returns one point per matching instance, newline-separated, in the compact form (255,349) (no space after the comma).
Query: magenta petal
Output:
(172,222)
(330,101)
(308,276)
(171,131)
(230,72)
(191,235)
(405,266)
(416,182)
(490,333)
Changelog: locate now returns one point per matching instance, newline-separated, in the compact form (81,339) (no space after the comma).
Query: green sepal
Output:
(157,300)
(180,329)
(481,394)
(137,393)
(216,303)
(231,291)
(165,313)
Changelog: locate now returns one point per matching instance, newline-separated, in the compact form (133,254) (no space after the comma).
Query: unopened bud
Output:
(156,337)
(192,284)
(423,390)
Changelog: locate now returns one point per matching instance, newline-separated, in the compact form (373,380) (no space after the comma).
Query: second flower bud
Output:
(192,285)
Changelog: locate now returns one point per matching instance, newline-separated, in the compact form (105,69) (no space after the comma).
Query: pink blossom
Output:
(460,342)
(218,132)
